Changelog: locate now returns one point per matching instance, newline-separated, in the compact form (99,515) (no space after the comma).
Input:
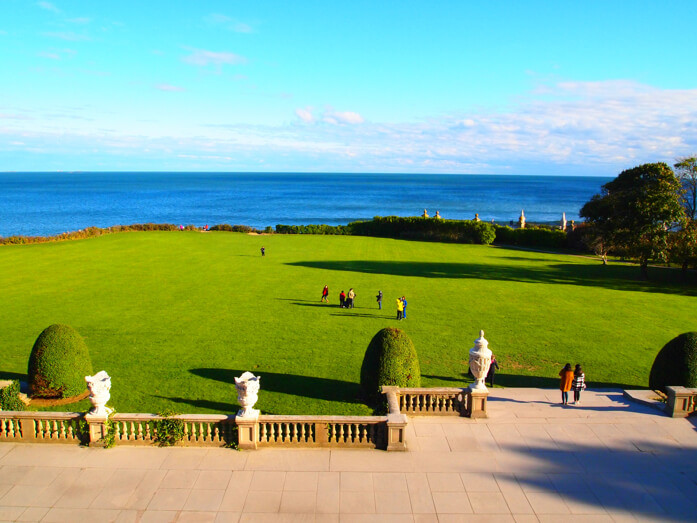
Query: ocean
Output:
(51,203)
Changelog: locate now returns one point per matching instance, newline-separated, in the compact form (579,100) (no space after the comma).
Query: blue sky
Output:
(550,87)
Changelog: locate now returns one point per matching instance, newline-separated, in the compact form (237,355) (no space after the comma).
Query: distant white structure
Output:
(563,221)
(425,214)
(521,220)
(476,217)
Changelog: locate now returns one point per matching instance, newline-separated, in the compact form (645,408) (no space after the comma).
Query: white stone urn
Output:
(247,394)
(480,361)
(99,385)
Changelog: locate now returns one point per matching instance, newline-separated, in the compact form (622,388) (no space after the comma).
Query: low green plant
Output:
(168,430)
(9,397)
(676,363)
(389,360)
(58,363)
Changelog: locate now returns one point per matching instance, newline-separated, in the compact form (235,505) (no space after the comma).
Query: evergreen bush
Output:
(9,397)
(59,363)
(389,360)
(676,363)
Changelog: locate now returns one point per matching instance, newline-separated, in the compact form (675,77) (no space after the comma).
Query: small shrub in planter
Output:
(9,397)
(676,363)
(389,360)
(59,363)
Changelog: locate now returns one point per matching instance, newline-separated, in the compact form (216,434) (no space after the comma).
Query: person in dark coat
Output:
(492,370)
(342,299)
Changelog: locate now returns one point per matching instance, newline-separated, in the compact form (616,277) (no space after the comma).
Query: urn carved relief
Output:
(99,386)
(480,360)
(247,393)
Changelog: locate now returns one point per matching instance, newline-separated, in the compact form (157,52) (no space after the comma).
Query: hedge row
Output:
(532,236)
(429,229)
(313,229)
(91,232)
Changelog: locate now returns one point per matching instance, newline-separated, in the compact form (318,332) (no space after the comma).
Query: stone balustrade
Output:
(438,401)
(42,427)
(682,401)
(322,431)
(200,430)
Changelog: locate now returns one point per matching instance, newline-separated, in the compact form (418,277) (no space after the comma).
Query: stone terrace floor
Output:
(532,460)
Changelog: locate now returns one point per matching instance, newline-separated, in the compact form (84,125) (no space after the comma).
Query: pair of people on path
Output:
(571,379)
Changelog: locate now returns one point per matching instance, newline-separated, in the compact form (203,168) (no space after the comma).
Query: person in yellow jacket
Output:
(400,308)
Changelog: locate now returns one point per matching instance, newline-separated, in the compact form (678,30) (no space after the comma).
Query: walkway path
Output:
(532,460)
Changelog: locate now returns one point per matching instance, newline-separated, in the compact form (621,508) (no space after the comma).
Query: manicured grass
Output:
(173,317)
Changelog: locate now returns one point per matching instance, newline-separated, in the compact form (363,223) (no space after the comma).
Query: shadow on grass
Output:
(6,375)
(618,277)
(363,315)
(215,406)
(291,384)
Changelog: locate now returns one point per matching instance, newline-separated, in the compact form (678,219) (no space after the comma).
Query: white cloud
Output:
(48,6)
(329,116)
(203,57)
(169,88)
(80,20)
(57,54)
(565,128)
(305,114)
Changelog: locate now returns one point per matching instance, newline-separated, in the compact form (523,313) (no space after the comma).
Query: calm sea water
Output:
(51,203)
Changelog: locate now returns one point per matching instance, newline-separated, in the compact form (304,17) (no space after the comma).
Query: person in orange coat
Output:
(567,377)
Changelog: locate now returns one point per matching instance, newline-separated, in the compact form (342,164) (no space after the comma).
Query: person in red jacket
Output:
(342,299)
(325,294)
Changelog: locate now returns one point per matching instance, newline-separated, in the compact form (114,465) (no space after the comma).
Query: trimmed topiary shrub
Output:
(676,363)
(59,363)
(389,360)
(9,397)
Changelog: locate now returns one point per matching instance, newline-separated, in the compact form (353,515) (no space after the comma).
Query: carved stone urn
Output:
(99,386)
(247,394)
(480,360)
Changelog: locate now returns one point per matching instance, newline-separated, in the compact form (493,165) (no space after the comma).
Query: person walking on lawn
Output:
(379,298)
(325,294)
(404,308)
(342,300)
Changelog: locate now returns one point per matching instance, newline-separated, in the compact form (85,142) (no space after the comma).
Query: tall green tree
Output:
(637,210)
(686,171)
(684,242)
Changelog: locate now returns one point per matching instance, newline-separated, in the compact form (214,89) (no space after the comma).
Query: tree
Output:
(684,242)
(637,210)
(686,171)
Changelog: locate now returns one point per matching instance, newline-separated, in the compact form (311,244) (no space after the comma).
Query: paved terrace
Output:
(532,460)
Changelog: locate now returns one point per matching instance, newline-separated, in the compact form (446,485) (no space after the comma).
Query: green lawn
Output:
(173,317)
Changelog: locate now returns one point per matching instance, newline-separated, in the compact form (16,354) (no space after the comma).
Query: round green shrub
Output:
(9,397)
(389,360)
(59,363)
(676,363)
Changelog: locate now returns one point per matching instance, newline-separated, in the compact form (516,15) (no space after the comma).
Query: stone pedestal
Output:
(682,401)
(396,432)
(476,403)
(248,430)
(98,429)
